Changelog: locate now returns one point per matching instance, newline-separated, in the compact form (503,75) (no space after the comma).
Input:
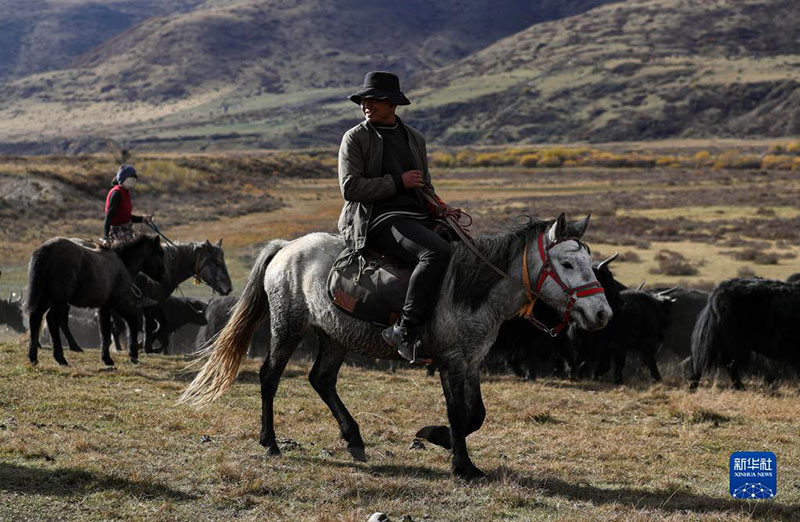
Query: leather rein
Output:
(548,270)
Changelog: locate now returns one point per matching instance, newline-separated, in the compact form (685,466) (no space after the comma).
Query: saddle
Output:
(372,286)
(369,286)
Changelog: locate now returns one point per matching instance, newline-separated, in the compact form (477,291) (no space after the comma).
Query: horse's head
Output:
(211,268)
(153,265)
(566,280)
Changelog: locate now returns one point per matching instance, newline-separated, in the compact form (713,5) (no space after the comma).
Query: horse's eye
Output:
(567,265)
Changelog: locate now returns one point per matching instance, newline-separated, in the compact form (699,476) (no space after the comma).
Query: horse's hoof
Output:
(62,361)
(135,360)
(273,450)
(34,362)
(108,361)
(439,435)
(77,349)
(358,453)
(468,472)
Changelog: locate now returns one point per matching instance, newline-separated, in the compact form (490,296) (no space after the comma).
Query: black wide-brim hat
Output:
(382,86)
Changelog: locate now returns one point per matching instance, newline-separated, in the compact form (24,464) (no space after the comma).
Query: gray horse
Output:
(64,272)
(288,285)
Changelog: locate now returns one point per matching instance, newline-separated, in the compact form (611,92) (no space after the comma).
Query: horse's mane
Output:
(471,278)
(125,248)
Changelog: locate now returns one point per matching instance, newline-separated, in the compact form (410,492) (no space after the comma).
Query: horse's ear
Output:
(219,243)
(578,228)
(558,229)
(207,244)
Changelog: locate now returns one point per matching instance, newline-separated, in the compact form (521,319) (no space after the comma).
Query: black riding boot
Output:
(405,339)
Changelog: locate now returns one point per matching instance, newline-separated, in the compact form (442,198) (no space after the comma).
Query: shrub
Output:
(550,159)
(793,148)
(672,263)
(777,162)
(529,160)
(732,159)
(442,160)
(667,161)
(746,272)
(629,257)
(465,158)
(494,159)
(607,159)
(753,255)
(703,158)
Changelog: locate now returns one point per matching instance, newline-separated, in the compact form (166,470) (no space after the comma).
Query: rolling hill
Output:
(45,35)
(643,69)
(221,67)
(274,73)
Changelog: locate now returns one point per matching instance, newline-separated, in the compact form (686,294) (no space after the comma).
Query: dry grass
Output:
(93,445)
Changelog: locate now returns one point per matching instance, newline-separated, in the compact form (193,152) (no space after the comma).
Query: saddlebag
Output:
(369,286)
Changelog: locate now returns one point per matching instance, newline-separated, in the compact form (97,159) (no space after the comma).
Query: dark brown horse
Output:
(64,272)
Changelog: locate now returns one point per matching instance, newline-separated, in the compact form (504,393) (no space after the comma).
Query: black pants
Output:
(413,242)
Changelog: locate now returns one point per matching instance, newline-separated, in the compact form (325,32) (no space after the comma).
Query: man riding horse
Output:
(383,176)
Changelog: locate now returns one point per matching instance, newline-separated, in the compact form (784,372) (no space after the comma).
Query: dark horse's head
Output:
(145,255)
(211,268)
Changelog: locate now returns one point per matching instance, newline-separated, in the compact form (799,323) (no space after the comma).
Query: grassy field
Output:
(723,221)
(82,443)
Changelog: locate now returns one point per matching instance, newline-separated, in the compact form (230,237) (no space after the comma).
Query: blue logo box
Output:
(754,474)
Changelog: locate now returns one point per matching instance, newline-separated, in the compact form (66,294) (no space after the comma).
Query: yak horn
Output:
(606,261)
(667,291)
(641,285)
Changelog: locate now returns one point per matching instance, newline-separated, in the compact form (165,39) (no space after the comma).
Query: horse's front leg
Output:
(54,322)
(104,318)
(454,383)
(131,318)
(34,330)
(73,344)
(476,412)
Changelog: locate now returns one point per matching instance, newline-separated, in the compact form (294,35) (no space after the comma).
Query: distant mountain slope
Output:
(38,35)
(274,73)
(194,68)
(643,69)
(274,45)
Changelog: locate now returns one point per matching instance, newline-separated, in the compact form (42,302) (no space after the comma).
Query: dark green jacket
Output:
(361,180)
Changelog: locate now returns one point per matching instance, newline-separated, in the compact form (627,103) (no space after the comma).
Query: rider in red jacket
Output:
(118,225)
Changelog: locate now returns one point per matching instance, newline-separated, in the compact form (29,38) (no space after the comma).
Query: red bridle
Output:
(549,270)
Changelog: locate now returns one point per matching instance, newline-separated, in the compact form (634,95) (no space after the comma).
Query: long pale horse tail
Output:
(225,353)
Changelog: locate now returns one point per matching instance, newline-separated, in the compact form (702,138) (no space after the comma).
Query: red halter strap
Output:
(549,270)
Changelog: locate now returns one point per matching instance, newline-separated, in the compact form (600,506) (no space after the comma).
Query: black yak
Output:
(11,315)
(638,325)
(683,313)
(744,317)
